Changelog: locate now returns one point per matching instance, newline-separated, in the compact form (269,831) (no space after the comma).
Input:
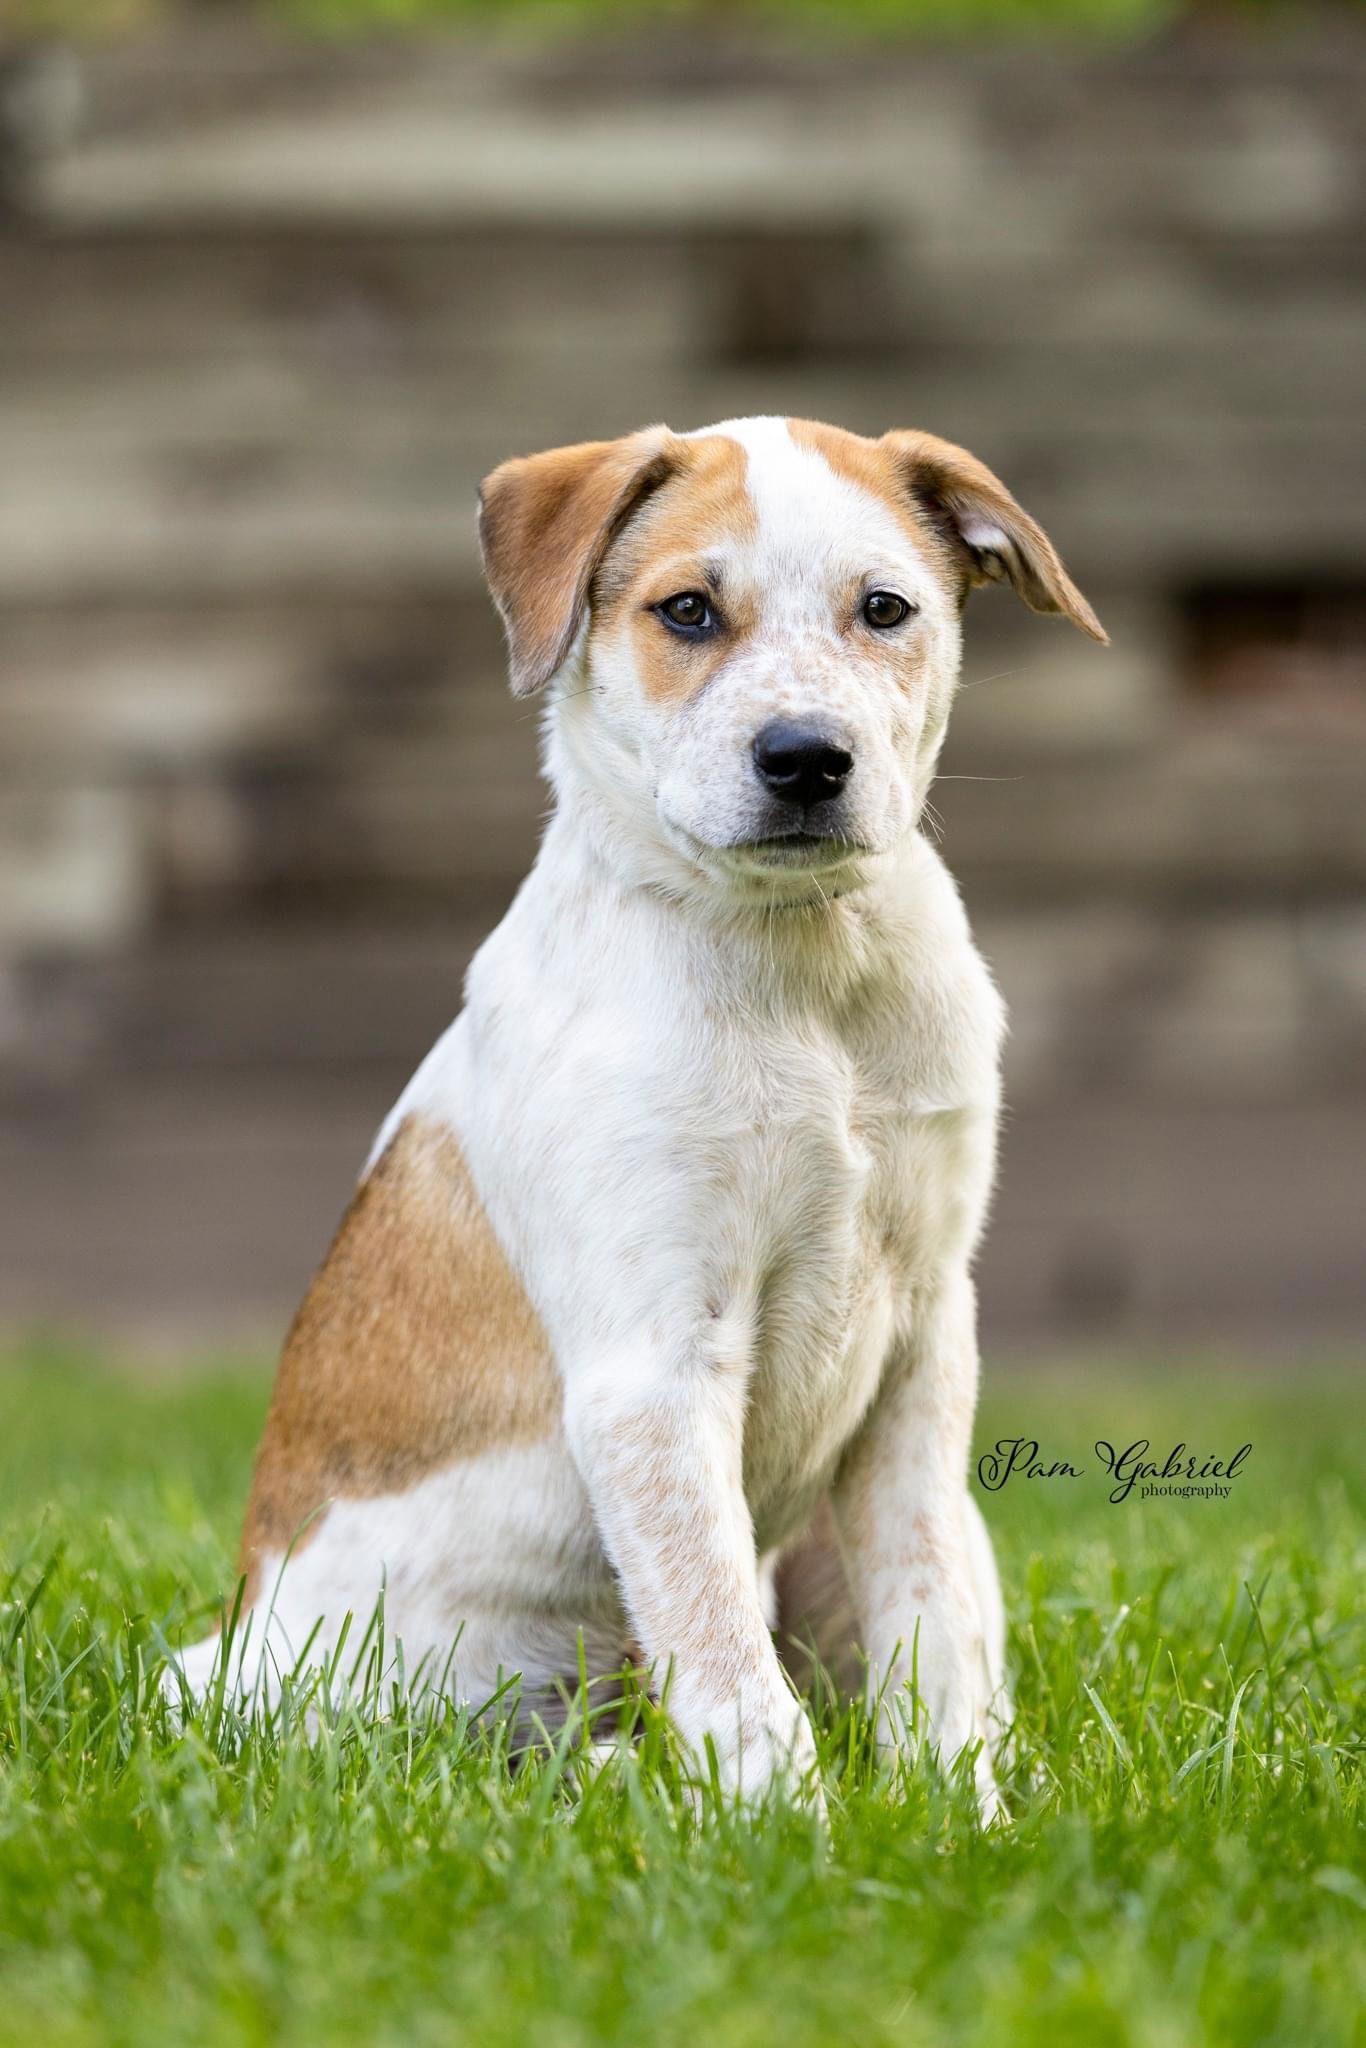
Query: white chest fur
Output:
(740,1148)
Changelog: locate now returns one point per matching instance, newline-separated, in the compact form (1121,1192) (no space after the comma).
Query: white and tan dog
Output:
(668,1242)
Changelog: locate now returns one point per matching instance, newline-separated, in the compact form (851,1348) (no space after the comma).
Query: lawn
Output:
(1185,1861)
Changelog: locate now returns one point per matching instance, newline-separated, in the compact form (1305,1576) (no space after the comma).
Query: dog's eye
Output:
(688,612)
(883,608)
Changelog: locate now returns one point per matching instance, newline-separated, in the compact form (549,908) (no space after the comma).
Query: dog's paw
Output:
(948,1710)
(759,1751)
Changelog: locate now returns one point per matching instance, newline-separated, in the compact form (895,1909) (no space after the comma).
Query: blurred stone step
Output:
(653,124)
(1105,1003)
(192,1212)
(216,479)
(321,1001)
(160,692)
(349,300)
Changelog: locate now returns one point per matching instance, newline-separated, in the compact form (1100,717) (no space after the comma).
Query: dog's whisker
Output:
(980,682)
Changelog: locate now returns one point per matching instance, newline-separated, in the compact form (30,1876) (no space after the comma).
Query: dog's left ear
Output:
(995,535)
(545,522)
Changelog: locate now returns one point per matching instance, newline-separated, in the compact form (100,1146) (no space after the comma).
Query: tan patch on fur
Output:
(676,542)
(548,524)
(872,466)
(544,524)
(415,1346)
(932,486)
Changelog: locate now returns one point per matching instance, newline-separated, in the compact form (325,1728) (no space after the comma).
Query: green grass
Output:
(1185,1862)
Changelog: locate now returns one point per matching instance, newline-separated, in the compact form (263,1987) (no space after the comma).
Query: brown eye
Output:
(883,608)
(689,612)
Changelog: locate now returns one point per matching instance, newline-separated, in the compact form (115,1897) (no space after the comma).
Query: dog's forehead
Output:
(812,492)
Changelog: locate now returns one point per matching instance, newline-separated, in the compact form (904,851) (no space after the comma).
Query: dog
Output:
(664,1256)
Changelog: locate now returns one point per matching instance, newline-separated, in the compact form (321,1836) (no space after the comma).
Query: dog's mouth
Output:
(768,858)
(798,850)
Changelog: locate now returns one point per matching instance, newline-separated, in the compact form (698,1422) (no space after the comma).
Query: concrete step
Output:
(191,1213)
(1108,1004)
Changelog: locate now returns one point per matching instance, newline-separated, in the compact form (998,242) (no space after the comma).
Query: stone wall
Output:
(268,312)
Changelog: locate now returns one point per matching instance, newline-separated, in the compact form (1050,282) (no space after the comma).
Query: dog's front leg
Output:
(659,1445)
(915,1552)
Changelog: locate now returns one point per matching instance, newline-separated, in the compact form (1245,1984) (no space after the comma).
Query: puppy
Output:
(665,1252)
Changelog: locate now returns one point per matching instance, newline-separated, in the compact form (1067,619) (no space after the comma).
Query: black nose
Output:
(800,762)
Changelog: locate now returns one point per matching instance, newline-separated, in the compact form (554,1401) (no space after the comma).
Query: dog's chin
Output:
(794,865)
(808,853)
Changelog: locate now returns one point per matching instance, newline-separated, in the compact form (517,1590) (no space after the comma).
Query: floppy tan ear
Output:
(544,525)
(976,512)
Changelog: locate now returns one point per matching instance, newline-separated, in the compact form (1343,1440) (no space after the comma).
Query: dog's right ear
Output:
(545,522)
(993,534)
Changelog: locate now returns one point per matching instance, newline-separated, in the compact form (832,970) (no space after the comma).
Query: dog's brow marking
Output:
(811,490)
(706,507)
(415,1347)
(872,469)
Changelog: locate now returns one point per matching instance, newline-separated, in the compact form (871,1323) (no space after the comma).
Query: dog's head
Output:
(754,629)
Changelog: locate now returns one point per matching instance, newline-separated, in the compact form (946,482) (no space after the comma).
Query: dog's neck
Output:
(619,822)
(796,940)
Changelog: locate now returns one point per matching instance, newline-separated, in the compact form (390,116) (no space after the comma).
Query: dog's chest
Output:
(838,1188)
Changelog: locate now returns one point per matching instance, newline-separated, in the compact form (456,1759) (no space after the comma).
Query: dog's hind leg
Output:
(990,1605)
(815,1625)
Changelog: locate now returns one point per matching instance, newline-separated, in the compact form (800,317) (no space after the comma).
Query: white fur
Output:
(734,1125)
(697,794)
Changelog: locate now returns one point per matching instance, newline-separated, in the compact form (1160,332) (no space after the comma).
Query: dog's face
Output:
(757,627)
